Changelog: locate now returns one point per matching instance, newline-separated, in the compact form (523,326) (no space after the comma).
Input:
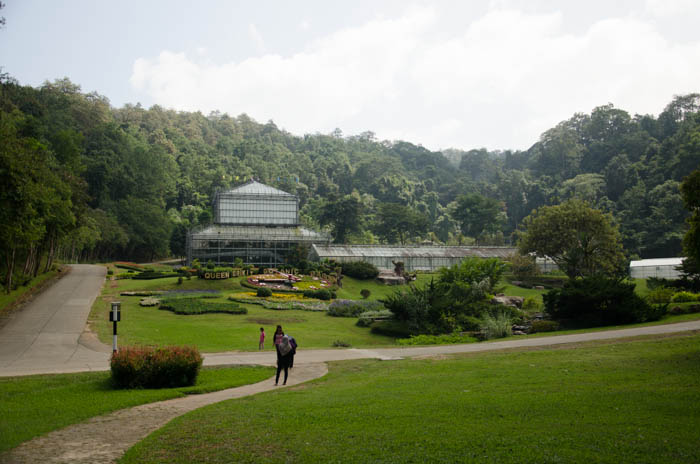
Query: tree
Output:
(344,215)
(399,222)
(690,191)
(478,215)
(581,240)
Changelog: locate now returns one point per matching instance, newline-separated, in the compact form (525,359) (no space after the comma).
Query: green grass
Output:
(35,405)
(626,402)
(218,332)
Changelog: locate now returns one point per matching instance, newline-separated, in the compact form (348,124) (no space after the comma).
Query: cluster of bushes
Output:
(352,308)
(454,302)
(391,328)
(198,305)
(150,367)
(360,270)
(320,294)
(544,326)
(264,292)
(599,300)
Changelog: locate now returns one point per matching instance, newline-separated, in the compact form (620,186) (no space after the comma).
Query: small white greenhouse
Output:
(664,268)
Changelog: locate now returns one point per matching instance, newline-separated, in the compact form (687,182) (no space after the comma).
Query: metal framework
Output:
(420,257)
(254,222)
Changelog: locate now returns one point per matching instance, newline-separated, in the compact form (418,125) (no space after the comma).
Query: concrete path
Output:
(105,439)
(47,335)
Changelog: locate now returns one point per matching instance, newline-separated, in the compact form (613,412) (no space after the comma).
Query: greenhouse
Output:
(662,268)
(415,258)
(254,222)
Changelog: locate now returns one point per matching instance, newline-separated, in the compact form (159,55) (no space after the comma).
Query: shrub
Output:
(544,326)
(360,270)
(446,339)
(352,308)
(660,295)
(150,367)
(396,329)
(523,266)
(365,293)
(210,264)
(340,344)
(179,280)
(110,272)
(598,300)
(684,297)
(321,294)
(497,325)
(685,309)
(531,305)
(151,274)
(368,317)
(264,292)
(198,305)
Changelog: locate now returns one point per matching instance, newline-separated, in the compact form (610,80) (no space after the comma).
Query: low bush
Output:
(597,301)
(110,272)
(340,344)
(360,270)
(531,305)
(150,367)
(684,297)
(198,305)
(684,308)
(544,326)
(321,294)
(352,308)
(264,292)
(446,339)
(368,317)
(150,275)
(497,325)
(523,266)
(393,328)
(365,293)
(660,295)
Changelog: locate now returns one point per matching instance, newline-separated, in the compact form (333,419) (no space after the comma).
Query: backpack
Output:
(293,342)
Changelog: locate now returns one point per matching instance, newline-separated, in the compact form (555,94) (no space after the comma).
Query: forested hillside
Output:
(83,180)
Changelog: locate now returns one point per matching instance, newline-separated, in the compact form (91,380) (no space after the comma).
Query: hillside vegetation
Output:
(85,181)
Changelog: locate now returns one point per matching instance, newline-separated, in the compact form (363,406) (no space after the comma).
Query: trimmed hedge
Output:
(151,367)
(321,294)
(197,305)
(149,275)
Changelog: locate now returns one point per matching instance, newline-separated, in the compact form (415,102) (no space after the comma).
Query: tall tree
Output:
(398,222)
(581,240)
(478,215)
(344,215)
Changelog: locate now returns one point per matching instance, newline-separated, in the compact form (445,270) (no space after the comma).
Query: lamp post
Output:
(115,315)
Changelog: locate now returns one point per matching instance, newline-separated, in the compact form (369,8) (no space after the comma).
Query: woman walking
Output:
(284,359)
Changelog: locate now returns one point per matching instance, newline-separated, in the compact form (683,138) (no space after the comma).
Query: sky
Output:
(442,74)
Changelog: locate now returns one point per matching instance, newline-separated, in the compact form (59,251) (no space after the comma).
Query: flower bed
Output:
(281,282)
(197,305)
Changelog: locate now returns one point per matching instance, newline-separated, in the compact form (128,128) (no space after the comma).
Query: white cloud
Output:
(499,81)
(304,25)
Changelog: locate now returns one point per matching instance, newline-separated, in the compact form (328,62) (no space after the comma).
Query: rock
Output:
(518,332)
(539,287)
(514,301)
(149,302)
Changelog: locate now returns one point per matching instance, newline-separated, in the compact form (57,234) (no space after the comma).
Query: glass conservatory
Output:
(419,257)
(254,222)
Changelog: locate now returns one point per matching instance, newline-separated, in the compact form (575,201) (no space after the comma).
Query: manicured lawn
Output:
(35,405)
(625,402)
(219,332)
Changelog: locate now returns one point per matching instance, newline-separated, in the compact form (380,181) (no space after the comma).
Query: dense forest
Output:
(82,180)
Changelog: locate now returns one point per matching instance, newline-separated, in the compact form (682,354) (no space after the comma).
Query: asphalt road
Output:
(47,335)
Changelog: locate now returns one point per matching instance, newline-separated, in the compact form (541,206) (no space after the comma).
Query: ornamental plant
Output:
(155,367)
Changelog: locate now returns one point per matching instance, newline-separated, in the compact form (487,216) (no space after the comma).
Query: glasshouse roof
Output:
(258,233)
(422,251)
(657,262)
(256,188)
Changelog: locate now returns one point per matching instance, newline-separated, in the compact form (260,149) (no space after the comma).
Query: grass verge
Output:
(35,405)
(625,402)
(9,301)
